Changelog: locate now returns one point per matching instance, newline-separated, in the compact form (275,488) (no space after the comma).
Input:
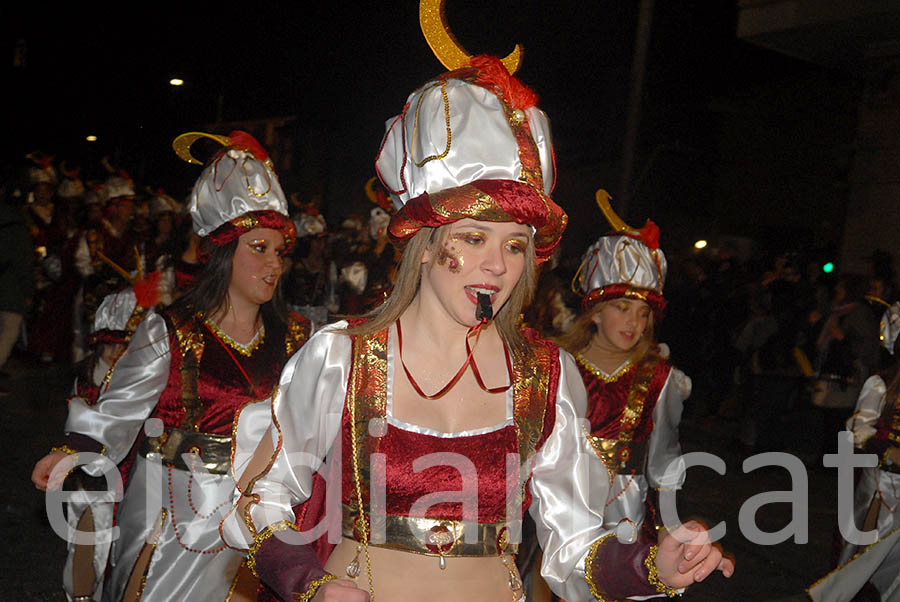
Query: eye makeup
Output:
(517,244)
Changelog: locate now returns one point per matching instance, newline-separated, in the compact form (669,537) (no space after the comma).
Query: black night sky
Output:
(341,71)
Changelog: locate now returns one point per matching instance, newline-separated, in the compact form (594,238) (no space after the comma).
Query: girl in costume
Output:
(190,369)
(635,397)
(114,323)
(876,430)
(441,420)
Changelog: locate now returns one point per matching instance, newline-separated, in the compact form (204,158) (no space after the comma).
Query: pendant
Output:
(515,584)
(353,568)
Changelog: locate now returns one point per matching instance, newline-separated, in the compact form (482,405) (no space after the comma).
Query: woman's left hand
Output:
(686,556)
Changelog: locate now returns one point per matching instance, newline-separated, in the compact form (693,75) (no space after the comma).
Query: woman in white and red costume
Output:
(193,367)
(427,407)
(635,397)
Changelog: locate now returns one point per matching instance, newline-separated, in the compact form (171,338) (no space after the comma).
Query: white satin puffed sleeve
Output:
(570,485)
(305,420)
(863,423)
(665,465)
(138,379)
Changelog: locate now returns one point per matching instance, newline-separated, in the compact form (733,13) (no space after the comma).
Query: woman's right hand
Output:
(40,476)
(341,590)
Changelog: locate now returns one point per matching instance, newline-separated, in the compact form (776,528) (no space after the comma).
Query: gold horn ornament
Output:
(451,54)
(370,190)
(614,220)
(182,144)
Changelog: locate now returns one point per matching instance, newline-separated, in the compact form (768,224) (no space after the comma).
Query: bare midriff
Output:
(403,576)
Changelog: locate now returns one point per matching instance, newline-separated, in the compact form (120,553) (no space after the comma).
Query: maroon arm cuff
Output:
(82,443)
(616,570)
(292,570)
(877,445)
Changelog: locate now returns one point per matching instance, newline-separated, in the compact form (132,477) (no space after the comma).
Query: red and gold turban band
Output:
(486,200)
(273,220)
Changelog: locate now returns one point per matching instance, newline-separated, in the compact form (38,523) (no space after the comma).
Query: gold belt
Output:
(435,536)
(214,450)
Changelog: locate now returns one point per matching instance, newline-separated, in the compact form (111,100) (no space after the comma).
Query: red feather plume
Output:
(243,141)
(491,71)
(147,290)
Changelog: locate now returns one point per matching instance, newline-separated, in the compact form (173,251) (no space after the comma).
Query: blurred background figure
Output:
(16,276)
(848,354)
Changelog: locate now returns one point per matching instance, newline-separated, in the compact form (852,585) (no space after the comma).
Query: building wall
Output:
(873,208)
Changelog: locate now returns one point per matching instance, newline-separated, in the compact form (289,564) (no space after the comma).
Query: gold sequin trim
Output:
(246,221)
(653,576)
(247,175)
(65,449)
(314,587)
(297,335)
(259,539)
(446,122)
(245,350)
(137,316)
(589,563)
(600,374)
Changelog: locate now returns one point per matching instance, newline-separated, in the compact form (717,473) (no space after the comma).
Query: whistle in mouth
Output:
(484,311)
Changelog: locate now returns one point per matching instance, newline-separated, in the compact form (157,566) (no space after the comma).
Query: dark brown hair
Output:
(210,291)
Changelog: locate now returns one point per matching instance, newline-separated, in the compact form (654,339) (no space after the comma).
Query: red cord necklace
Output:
(470,358)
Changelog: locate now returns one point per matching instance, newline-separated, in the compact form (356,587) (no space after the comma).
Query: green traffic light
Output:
(828,268)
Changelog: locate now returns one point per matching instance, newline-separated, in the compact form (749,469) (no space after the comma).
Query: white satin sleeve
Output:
(138,379)
(569,485)
(305,419)
(863,422)
(665,466)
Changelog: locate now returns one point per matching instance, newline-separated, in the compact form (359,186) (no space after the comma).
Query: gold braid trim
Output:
(65,449)
(261,537)
(314,587)
(589,563)
(653,576)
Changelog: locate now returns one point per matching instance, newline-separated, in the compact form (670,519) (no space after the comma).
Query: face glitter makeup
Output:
(451,258)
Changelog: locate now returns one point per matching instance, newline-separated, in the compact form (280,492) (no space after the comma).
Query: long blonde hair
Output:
(409,275)
(578,338)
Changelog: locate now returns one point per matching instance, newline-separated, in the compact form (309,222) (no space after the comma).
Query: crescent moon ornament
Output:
(451,54)
(614,220)
(182,144)
(370,190)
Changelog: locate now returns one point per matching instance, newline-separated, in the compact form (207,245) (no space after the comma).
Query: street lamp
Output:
(176,81)
(91,138)
(700,244)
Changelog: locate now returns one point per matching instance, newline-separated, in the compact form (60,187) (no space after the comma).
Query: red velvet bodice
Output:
(536,376)
(480,462)
(222,387)
(607,400)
